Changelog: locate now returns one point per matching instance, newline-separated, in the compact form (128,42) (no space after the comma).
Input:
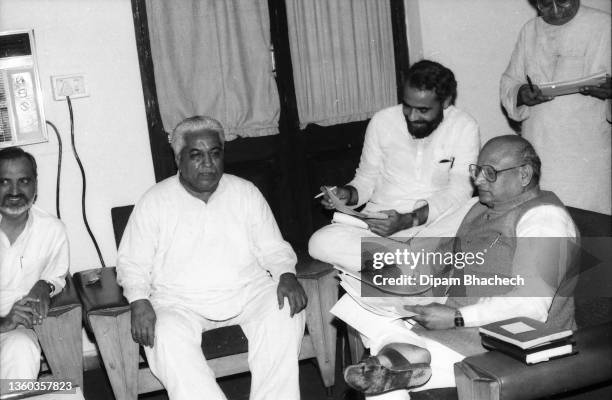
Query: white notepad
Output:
(561,88)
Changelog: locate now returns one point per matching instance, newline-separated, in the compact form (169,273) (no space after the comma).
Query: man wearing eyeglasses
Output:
(33,263)
(566,41)
(522,231)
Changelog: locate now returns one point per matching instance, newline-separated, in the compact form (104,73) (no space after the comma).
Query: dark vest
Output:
(494,229)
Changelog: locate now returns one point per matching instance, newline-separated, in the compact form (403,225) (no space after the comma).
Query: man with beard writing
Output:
(413,167)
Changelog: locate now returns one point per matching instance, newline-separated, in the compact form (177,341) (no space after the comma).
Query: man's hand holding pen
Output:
(344,194)
(530,95)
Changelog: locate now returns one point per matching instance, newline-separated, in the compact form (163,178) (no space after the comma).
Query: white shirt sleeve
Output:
(370,163)
(459,188)
(137,251)
(514,77)
(545,221)
(273,253)
(59,261)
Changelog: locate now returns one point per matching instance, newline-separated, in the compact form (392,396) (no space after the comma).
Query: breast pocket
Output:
(439,176)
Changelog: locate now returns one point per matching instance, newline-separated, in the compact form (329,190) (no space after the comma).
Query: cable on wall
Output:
(59,169)
(84,191)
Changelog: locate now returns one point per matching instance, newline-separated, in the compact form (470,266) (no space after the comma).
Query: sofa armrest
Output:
(496,375)
(105,296)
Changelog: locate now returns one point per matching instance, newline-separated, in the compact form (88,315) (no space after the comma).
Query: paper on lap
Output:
(386,306)
(370,324)
(341,218)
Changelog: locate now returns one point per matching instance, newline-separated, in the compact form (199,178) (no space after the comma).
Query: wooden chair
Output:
(61,341)
(60,336)
(108,316)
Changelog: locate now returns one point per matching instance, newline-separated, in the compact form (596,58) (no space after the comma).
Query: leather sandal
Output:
(397,366)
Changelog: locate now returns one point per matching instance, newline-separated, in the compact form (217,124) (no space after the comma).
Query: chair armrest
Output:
(105,297)
(500,376)
(309,268)
(66,300)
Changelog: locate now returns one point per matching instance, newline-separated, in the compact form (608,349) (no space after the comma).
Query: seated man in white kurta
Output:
(413,167)
(202,250)
(33,264)
(522,231)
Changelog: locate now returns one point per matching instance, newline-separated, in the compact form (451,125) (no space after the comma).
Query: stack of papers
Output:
(385,305)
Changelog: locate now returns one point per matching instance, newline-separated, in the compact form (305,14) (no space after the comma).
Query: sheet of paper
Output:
(374,326)
(340,206)
(561,88)
(387,306)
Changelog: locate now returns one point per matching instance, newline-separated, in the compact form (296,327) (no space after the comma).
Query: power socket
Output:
(69,85)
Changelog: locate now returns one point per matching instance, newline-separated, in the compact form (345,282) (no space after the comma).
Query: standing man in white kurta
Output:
(413,167)
(571,133)
(202,250)
(33,264)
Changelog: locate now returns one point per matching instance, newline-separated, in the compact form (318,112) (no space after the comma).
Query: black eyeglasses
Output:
(489,173)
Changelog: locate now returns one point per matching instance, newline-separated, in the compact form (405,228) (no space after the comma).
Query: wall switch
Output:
(69,85)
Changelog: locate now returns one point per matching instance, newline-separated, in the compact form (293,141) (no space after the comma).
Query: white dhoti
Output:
(19,354)
(176,358)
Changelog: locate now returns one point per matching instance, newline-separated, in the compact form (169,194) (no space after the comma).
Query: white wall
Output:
(474,38)
(94,37)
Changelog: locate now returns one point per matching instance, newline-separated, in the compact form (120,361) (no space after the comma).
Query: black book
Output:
(547,351)
(524,332)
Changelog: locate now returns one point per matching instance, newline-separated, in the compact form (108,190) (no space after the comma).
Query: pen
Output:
(451,160)
(495,241)
(530,83)
(322,194)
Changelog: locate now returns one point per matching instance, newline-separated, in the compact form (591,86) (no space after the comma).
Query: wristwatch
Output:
(459,323)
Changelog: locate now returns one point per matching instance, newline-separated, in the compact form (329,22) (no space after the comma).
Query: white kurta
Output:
(396,171)
(572,133)
(40,252)
(399,172)
(208,265)
(176,248)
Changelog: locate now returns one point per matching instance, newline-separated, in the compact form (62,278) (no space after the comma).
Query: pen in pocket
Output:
(495,240)
(448,160)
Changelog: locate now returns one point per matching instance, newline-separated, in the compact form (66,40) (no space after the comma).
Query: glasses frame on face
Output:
(476,169)
(558,3)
